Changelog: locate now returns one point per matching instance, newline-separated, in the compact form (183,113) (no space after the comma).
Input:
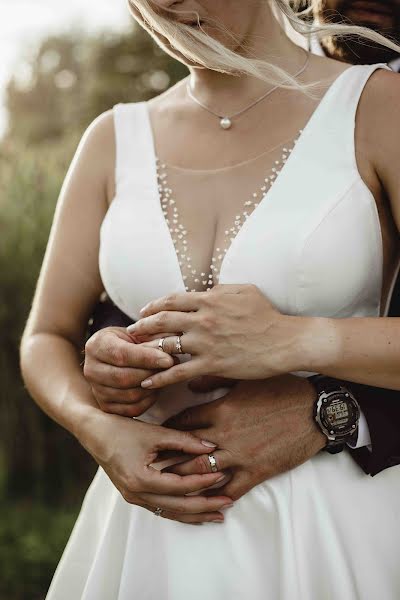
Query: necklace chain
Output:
(226,121)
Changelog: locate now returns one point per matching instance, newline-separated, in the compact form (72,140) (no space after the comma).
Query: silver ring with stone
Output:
(158,512)
(213,463)
(161,344)
(178,345)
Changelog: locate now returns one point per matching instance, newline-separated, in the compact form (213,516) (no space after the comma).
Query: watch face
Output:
(339,414)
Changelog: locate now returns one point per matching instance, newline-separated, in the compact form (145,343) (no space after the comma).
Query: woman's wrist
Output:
(315,344)
(87,428)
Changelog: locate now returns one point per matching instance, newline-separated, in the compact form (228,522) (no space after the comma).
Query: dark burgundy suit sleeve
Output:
(381,407)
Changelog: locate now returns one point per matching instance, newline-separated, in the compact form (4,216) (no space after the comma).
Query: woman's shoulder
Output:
(378,111)
(98,149)
(379,131)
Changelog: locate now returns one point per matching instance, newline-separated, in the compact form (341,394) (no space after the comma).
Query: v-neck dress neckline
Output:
(247,224)
(278,248)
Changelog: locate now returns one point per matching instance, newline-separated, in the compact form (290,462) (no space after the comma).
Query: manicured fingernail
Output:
(227,505)
(131,328)
(143,309)
(221,478)
(147,383)
(208,444)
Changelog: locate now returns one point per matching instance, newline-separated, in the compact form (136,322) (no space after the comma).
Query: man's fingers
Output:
(239,485)
(220,460)
(128,410)
(121,353)
(191,418)
(122,396)
(120,378)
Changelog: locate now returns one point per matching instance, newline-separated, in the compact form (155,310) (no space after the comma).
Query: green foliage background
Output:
(44,473)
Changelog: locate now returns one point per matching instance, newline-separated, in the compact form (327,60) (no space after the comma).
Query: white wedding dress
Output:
(313,245)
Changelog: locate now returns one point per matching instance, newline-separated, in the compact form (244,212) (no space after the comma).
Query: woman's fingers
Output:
(187,505)
(214,517)
(190,301)
(159,482)
(177,374)
(182,441)
(195,519)
(219,459)
(162,321)
(140,339)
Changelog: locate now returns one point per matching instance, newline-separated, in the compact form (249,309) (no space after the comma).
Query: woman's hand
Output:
(115,367)
(126,449)
(232,331)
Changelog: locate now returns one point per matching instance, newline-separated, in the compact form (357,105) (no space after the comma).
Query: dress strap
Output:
(334,121)
(353,86)
(134,143)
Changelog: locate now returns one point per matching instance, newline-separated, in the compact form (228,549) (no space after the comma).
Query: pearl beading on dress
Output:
(190,275)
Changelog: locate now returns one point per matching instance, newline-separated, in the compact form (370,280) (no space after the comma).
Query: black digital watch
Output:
(336,412)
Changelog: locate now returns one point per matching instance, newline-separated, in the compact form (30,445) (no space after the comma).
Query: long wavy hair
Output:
(201,49)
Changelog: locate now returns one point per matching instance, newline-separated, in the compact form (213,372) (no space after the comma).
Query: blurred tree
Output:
(73,78)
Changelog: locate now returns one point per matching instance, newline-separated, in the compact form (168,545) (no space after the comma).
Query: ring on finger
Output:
(213,463)
(158,512)
(161,344)
(178,345)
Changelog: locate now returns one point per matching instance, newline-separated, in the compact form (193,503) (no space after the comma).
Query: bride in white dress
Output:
(282,198)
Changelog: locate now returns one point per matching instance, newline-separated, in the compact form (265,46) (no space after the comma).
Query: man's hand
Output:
(262,428)
(115,366)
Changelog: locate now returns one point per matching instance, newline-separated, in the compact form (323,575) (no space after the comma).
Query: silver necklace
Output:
(225,121)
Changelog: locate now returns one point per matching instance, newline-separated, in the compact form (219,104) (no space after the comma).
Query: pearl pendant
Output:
(225,123)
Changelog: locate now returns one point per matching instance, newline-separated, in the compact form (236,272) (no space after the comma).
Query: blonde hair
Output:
(201,49)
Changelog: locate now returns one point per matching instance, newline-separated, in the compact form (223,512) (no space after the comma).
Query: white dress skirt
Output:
(313,246)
